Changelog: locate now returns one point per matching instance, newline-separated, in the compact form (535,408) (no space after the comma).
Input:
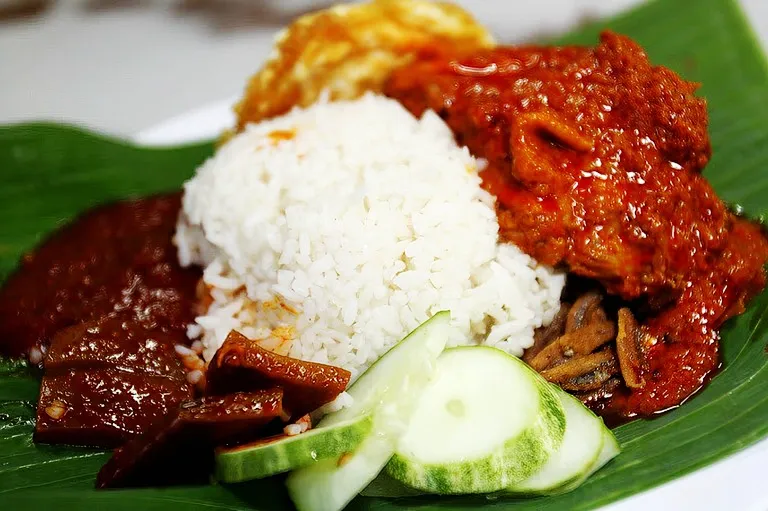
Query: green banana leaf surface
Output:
(49,173)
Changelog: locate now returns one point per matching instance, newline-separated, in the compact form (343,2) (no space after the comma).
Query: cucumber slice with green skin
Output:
(331,484)
(486,422)
(398,374)
(389,390)
(583,428)
(582,443)
(607,453)
(286,453)
(610,450)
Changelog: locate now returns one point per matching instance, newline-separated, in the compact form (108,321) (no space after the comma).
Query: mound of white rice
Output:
(331,232)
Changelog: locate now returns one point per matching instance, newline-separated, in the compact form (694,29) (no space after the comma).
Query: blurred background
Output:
(123,65)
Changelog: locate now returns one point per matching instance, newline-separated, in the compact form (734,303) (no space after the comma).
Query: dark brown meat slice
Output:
(103,407)
(180,448)
(116,258)
(242,365)
(115,342)
(109,289)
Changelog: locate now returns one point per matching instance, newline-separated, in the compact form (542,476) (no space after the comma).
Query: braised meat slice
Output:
(116,258)
(595,158)
(242,365)
(103,407)
(116,342)
(106,300)
(179,449)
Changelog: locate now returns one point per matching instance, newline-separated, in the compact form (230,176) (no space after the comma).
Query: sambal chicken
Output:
(595,157)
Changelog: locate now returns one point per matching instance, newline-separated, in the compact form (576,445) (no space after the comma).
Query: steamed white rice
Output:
(333,231)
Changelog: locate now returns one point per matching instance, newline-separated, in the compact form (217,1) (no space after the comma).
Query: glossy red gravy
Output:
(595,156)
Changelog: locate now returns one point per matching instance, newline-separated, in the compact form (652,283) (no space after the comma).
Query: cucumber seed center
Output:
(456,407)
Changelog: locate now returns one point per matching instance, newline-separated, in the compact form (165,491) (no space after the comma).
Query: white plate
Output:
(737,483)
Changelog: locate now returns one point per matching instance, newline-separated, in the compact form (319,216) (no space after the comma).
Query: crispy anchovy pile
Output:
(587,353)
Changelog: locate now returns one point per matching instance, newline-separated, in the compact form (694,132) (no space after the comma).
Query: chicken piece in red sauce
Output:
(594,156)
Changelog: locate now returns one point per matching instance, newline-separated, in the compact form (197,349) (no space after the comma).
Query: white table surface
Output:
(121,70)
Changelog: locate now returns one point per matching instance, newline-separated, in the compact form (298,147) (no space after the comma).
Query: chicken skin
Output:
(595,157)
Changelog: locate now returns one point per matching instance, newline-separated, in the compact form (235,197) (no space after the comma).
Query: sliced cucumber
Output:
(331,484)
(286,453)
(582,443)
(551,478)
(398,374)
(388,390)
(485,422)
(610,450)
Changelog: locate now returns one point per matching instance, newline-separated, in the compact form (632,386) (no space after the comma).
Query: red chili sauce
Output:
(595,157)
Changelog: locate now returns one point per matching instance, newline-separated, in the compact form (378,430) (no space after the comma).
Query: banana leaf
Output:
(51,172)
